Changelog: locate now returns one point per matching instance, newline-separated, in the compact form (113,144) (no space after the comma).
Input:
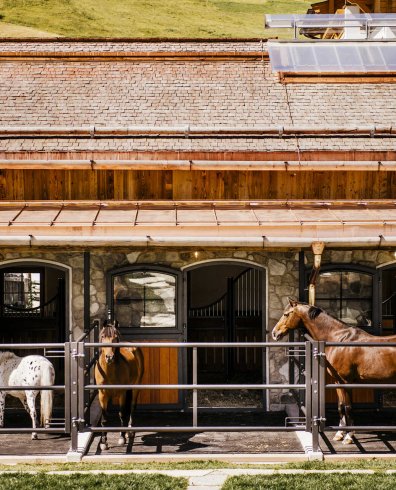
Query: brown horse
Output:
(345,364)
(122,366)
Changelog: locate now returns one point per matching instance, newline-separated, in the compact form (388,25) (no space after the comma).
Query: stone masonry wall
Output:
(282,281)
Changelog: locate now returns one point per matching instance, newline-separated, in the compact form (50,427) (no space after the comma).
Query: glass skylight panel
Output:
(333,57)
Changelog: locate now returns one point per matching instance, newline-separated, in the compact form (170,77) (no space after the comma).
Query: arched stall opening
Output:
(33,311)
(226,303)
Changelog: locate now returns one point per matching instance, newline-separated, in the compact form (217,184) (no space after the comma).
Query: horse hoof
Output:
(34,436)
(104,446)
(338,437)
(348,440)
(121,441)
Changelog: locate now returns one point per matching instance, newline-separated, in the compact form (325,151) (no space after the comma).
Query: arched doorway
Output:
(32,302)
(226,303)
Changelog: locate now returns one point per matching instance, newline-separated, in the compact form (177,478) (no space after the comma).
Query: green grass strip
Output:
(312,482)
(20,481)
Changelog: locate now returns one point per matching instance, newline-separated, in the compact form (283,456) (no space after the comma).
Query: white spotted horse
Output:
(34,371)
(115,366)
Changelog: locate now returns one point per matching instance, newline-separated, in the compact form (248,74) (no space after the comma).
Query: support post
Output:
(87,290)
(195,391)
(315,397)
(317,249)
(74,396)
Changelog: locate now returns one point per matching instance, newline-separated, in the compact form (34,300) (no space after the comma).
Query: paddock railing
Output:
(79,388)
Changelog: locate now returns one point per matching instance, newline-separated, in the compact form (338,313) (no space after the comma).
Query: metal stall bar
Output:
(308,386)
(195,386)
(315,397)
(74,389)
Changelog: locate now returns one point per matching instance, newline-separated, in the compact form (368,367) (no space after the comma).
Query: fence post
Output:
(195,391)
(67,388)
(315,396)
(308,386)
(74,395)
(322,385)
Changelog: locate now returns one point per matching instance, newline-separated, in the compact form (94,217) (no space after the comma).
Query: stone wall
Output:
(282,280)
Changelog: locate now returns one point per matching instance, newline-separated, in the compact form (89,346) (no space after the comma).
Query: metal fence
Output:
(79,388)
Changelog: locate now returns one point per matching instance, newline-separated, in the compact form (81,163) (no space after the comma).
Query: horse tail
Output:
(46,398)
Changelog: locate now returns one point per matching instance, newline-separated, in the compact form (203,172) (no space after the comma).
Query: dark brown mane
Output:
(110,331)
(314,312)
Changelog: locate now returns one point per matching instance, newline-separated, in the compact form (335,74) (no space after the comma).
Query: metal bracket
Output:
(75,354)
(317,354)
(318,420)
(76,422)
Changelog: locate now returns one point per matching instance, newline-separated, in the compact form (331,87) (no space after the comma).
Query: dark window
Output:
(347,295)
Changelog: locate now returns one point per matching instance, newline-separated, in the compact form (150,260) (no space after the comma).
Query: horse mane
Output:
(110,330)
(314,312)
(6,355)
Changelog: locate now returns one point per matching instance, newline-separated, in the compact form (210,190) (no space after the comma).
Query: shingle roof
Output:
(228,92)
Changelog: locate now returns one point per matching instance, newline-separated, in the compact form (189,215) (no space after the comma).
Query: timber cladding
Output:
(187,185)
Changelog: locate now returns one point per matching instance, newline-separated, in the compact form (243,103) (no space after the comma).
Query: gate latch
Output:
(75,354)
(319,420)
(317,354)
(76,421)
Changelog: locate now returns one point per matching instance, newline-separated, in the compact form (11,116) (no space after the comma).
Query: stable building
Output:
(178,187)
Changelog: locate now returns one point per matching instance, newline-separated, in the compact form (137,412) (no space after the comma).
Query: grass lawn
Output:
(147,18)
(312,482)
(18,481)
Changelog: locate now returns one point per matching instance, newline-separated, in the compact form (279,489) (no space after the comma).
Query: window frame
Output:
(372,271)
(142,331)
(22,269)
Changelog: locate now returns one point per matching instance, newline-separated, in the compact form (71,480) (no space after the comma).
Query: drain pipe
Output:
(317,248)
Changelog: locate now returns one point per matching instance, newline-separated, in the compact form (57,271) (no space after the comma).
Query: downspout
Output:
(317,248)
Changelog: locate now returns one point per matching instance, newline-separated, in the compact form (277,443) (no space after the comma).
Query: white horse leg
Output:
(31,404)
(2,407)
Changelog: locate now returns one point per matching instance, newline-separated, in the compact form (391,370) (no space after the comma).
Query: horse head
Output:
(288,321)
(109,334)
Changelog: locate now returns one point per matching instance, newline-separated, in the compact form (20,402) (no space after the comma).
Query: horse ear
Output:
(105,322)
(292,302)
(116,324)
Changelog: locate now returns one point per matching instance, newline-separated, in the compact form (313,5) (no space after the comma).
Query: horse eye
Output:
(286,314)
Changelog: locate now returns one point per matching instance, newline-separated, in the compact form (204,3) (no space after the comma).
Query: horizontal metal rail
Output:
(362,428)
(198,429)
(361,386)
(197,387)
(361,344)
(32,346)
(47,430)
(32,388)
(205,345)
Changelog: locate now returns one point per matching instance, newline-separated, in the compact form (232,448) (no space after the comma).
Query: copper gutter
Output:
(193,131)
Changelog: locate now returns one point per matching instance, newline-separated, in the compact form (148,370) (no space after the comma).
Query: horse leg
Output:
(341,411)
(348,439)
(124,415)
(135,394)
(103,400)
(2,407)
(31,409)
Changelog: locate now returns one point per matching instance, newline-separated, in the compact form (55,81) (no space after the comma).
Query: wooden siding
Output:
(160,367)
(203,185)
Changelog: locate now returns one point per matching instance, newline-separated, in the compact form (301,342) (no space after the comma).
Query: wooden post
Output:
(317,249)
(331,6)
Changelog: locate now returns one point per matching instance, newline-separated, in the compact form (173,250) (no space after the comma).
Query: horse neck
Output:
(323,327)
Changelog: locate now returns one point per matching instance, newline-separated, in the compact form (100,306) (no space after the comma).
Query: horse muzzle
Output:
(276,335)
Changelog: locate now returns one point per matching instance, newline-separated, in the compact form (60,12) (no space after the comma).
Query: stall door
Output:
(226,305)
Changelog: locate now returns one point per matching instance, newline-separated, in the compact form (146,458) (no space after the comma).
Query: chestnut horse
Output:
(345,364)
(118,366)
